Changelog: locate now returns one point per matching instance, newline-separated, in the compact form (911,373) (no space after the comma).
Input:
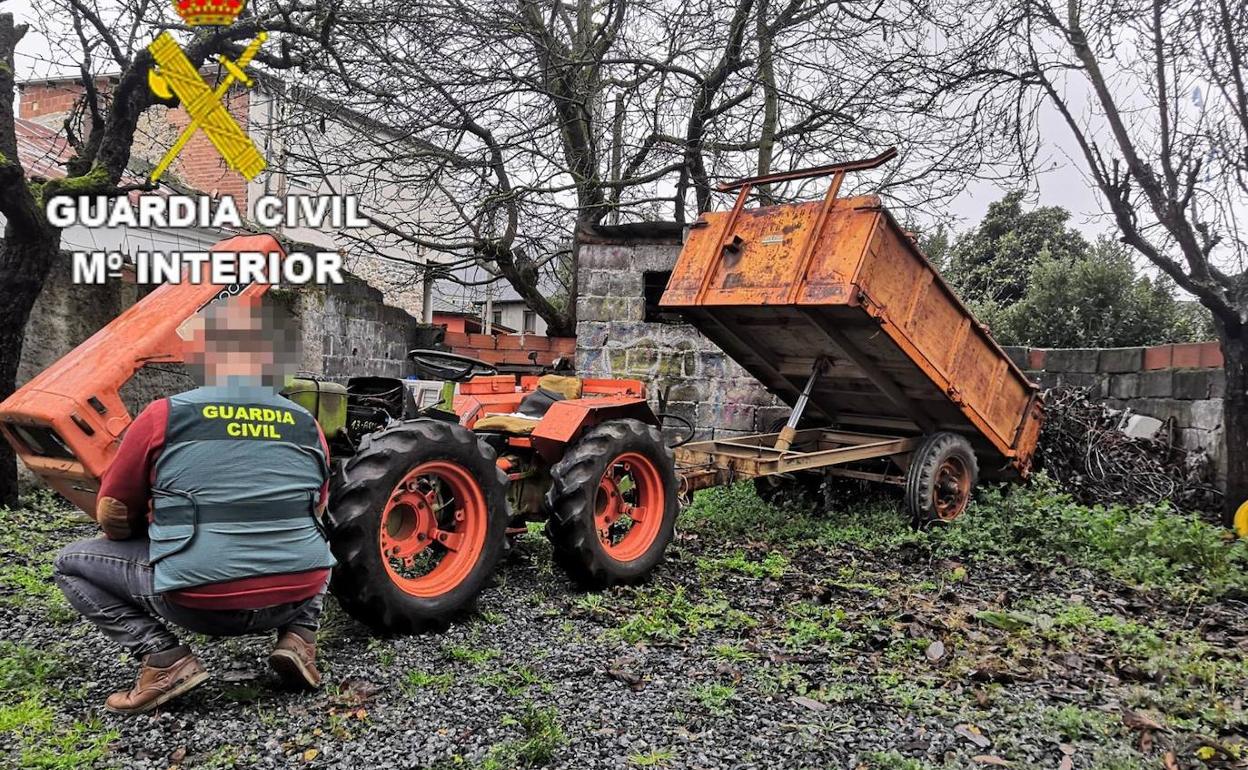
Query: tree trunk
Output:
(25,261)
(1235,417)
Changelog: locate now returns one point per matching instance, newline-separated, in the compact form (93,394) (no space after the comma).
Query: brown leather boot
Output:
(157,685)
(294,660)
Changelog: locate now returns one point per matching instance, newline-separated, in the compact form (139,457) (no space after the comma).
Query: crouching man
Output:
(210,518)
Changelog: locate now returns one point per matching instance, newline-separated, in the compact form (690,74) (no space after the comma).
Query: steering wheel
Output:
(449,367)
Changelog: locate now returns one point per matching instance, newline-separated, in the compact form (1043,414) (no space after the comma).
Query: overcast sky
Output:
(1060,180)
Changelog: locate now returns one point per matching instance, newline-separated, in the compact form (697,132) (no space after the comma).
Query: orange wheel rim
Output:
(433,528)
(628,509)
(951,490)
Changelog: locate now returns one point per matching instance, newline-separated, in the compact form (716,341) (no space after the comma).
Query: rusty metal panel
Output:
(776,294)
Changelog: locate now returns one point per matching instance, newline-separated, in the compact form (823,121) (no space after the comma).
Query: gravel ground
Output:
(741,653)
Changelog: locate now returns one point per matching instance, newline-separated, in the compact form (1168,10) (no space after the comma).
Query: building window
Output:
(654,282)
(496,318)
(530,322)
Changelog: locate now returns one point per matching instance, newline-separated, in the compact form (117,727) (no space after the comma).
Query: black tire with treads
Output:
(924,465)
(358,495)
(571,499)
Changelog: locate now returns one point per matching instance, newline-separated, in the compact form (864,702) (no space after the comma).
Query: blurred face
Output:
(242,341)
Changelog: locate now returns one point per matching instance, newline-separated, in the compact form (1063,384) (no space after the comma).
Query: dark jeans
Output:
(111,583)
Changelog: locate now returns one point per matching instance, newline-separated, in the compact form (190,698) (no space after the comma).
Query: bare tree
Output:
(514,123)
(99,37)
(1154,94)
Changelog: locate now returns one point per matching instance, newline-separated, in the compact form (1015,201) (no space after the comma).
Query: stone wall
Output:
(1180,384)
(614,339)
(345,330)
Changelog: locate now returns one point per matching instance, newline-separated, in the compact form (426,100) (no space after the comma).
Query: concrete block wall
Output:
(1183,384)
(615,341)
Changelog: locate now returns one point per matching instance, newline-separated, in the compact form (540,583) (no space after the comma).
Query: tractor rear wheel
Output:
(942,475)
(418,517)
(612,504)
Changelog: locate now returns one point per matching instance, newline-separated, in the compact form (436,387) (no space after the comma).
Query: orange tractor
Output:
(422,500)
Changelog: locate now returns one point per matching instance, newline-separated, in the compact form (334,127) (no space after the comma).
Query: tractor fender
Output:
(566,420)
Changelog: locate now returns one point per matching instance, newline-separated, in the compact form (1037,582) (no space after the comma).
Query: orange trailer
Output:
(834,308)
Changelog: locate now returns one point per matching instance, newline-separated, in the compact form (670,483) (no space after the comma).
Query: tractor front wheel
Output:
(419,515)
(612,504)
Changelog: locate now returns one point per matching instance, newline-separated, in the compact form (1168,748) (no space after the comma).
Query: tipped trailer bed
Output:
(832,306)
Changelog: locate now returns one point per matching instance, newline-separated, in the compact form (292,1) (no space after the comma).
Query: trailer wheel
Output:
(612,504)
(419,515)
(942,475)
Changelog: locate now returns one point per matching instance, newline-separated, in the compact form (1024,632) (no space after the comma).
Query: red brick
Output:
(484,341)
(456,339)
(536,342)
(1158,357)
(1211,355)
(1186,356)
(509,342)
(515,357)
(564,346)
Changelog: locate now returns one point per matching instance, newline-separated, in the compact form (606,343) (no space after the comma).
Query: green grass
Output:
(542,738)
(656,758)
(470,654)
(670,615)
(421,680)
(733,653)
(78,746)
(1150,547)
(514,680)
(774,565)
(714,696)
(29,714)
(808,626)
(43,739)
(30,537)
(1073,723)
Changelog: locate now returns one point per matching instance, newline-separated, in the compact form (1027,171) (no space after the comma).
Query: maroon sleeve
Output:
(129,478)
(324,445)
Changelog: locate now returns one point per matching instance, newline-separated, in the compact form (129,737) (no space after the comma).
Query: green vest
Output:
(235,489)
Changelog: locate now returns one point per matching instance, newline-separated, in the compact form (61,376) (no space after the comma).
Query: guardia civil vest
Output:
(235,489)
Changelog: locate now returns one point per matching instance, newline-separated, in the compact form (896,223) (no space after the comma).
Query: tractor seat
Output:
(516,424)
(534,406)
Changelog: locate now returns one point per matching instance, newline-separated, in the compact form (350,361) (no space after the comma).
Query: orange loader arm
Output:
(67,422)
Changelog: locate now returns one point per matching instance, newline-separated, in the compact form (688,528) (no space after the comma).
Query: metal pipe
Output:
(789,432)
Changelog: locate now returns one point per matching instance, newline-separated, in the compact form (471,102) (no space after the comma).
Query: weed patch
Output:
(713,696)
(420,680)
(543,737)
(773,565)
(671,616)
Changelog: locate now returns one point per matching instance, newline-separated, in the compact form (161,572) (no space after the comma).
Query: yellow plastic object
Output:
(568,387)
(507,423)
(1241,520)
